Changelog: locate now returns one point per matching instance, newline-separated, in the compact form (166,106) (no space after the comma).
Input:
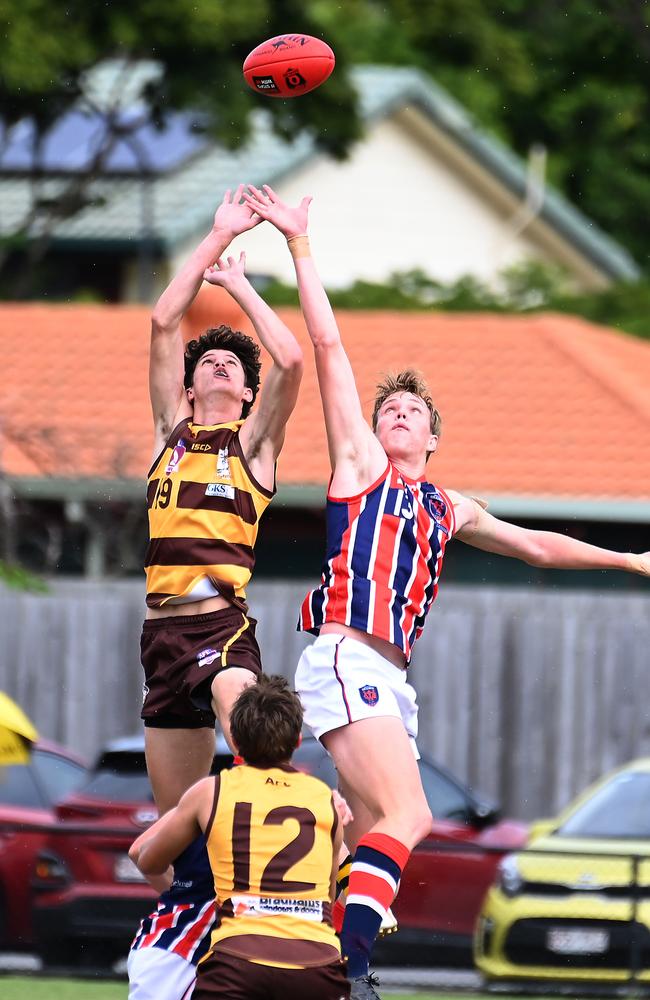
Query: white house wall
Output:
(398,203)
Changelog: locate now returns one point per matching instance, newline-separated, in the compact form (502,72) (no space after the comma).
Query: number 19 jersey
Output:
(270,845)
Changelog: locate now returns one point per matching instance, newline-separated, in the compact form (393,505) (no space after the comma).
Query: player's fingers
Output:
(238,194)
(242,258)
(256,206)
(226,197)
(270,193)
(306,202)
(231,262)
(221,264)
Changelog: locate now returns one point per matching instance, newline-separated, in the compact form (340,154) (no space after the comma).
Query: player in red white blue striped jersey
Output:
(383,562)
(172,940)
(387,529)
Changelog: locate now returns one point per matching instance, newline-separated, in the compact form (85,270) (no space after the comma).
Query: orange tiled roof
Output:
(538,406)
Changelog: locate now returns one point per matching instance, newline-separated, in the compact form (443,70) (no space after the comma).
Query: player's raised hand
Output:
(227,273)
(234,216)
(267,205)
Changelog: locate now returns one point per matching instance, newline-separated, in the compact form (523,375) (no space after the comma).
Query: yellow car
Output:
(575,903)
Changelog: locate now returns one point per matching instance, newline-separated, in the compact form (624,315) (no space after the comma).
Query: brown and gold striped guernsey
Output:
(204,509)
(270,845)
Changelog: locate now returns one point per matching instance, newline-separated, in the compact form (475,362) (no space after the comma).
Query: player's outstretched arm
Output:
(546,549)
(351,442)
(262,434)
(157,848)
(166,367)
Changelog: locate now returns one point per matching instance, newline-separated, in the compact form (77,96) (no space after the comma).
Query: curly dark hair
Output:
(222,338)
(265,722)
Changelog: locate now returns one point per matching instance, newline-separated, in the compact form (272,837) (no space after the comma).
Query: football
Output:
(288,65)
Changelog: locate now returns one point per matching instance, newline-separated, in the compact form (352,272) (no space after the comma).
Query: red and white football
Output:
(288,65)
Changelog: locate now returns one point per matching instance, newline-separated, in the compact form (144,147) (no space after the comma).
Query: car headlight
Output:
(509,878)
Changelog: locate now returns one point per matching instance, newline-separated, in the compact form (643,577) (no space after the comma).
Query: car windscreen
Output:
(18,787)
(621,808)
(119,786)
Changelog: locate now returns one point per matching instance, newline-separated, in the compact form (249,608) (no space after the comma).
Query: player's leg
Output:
(362,824)
(377,767)
(226,686)
(176,759)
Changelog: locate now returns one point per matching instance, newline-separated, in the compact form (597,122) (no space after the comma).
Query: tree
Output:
(571,75)
(199,47)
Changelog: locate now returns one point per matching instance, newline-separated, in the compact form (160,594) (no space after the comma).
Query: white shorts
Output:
(156,974)
(341,680)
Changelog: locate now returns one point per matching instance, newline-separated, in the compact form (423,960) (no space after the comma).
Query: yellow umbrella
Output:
(17,733)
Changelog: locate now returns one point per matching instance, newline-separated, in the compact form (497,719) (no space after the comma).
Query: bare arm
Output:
(357,457)
(546,549)
(169,403)
(157,848)
(262,434)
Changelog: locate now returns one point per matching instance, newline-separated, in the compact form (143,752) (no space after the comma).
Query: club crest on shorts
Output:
(207,656)
(369,694)
(175,457)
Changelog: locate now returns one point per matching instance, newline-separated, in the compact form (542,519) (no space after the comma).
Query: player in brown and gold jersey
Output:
(212,477)
(273,836)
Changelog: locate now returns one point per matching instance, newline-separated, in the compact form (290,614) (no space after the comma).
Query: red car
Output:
(88,895)
(28,793)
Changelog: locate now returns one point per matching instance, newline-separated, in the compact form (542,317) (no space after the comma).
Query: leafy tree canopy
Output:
(200,45)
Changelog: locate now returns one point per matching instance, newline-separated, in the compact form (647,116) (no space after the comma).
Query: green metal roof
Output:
(182,202)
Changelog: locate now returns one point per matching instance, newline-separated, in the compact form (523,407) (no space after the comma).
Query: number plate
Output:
(575,941)
(126,871)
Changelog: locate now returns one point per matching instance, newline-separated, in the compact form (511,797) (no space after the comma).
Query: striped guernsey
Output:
(204,509)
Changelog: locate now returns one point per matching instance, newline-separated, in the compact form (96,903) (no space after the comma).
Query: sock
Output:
(376,870)
(342,879)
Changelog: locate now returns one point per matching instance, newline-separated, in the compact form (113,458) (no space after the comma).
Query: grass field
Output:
(41,988)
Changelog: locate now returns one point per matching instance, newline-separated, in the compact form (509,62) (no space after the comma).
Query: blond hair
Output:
(411,381)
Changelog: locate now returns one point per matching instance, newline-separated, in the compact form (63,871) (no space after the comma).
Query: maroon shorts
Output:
(181,656)
(228,978)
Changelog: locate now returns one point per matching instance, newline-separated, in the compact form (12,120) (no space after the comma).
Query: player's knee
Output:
(416,824)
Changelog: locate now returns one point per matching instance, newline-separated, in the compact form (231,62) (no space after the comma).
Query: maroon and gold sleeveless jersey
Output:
(270,845)
(204,509)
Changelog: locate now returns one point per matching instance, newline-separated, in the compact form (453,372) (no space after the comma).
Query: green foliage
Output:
(17,578)
(525,288)
(200,45)
(573,76)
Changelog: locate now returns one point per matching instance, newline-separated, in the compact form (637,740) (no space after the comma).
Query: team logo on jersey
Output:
(175,458)
(207,656)
(223,465)
(435,505)
(369,694)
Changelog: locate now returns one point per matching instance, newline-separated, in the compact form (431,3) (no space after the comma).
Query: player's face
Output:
(219,372)
(404,426)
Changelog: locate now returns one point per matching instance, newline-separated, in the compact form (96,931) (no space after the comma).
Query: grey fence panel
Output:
(527,694)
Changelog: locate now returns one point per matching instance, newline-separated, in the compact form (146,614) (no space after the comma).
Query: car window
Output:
(446,799)
(621,808)
(18,787)
(119,786)
(57,775)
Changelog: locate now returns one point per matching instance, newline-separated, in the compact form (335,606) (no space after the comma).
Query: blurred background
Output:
(481,195)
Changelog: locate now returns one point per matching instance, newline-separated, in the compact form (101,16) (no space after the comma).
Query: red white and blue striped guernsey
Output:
(185,914)
(384,556)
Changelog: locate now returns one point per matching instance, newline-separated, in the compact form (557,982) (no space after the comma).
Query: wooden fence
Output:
(528,694)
